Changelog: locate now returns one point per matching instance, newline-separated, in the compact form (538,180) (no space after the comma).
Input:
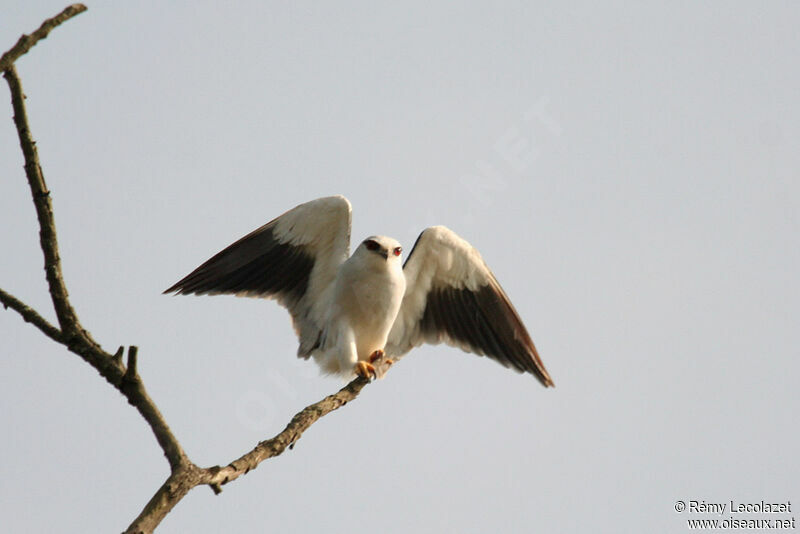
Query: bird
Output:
(355,315)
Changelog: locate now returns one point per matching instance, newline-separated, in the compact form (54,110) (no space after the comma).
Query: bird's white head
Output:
(380,250)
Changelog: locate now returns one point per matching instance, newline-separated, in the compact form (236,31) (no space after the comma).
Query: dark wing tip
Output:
(178,289)
(539,370)
(173,289)
(519,345)
(485,321)
(256,265)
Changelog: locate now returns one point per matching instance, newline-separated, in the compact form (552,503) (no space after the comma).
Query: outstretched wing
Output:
(292,259)
(452,297)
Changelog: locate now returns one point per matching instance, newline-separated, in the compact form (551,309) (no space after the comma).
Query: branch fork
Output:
(184,474)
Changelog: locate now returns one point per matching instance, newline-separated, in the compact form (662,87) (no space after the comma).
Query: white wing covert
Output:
(292,259)
(452,297)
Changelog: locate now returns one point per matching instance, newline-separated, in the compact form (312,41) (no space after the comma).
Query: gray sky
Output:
(629,172)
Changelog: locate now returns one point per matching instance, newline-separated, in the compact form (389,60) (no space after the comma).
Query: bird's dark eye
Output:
(371,245)
(397,251)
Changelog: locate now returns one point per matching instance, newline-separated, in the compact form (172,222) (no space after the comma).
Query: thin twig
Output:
(131,373)
(29,315)
(26,42)
(132,387)
(67,318)
(287,438)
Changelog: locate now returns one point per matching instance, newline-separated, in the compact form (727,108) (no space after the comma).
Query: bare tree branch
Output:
(29,315)
(184,475)
(72,334)
(287,438)
(26,42)
(67,318)
(168,495)
(182,481)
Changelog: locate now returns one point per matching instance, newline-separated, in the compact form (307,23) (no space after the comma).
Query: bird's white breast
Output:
(367,296)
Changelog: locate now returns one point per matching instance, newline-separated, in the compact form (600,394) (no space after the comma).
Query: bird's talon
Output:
(366,370)
(377,355)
